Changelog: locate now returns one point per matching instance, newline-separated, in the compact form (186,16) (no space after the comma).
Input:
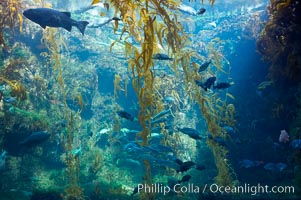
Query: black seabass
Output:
(53,18)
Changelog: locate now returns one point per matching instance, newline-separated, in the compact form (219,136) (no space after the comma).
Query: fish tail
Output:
(81,25)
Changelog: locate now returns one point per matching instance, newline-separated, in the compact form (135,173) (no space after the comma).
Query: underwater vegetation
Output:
(11,17)
(158,27)
(150,110)
(278,41)
(54,42)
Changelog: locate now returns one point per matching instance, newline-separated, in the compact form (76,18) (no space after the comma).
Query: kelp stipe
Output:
(54,42)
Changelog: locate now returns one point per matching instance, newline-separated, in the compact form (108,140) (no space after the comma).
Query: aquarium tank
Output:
(150,99)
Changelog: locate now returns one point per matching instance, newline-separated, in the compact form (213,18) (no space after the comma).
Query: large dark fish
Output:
(53,18)
(161,56)
(35,138)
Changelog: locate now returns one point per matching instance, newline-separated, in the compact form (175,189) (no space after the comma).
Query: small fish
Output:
(283,137)
(161,56)
(156,138)
(222,86)
(35,138)
(201,11)
(54,18)
(187,9)
(213,24)
(264,85)
(191,133)
(281,166)
(161,148)
(185,178)
(204,66)
(296,144)
(270,167)
(100,23)
(250,163)
(125,115)
(161,120)
(160,114)
(103,131)
(9,99)
(275,167)
(128,162)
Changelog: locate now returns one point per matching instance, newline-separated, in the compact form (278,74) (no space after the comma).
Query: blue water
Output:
(108,160)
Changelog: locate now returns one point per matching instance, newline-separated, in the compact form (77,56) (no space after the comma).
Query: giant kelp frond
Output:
(11,14)
(153,22)
(54,42)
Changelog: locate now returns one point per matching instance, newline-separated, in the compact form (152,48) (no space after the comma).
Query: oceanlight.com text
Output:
(249,189)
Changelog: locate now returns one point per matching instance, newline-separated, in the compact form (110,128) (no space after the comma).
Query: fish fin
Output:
(81,25)
(68,27)
(68,14)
